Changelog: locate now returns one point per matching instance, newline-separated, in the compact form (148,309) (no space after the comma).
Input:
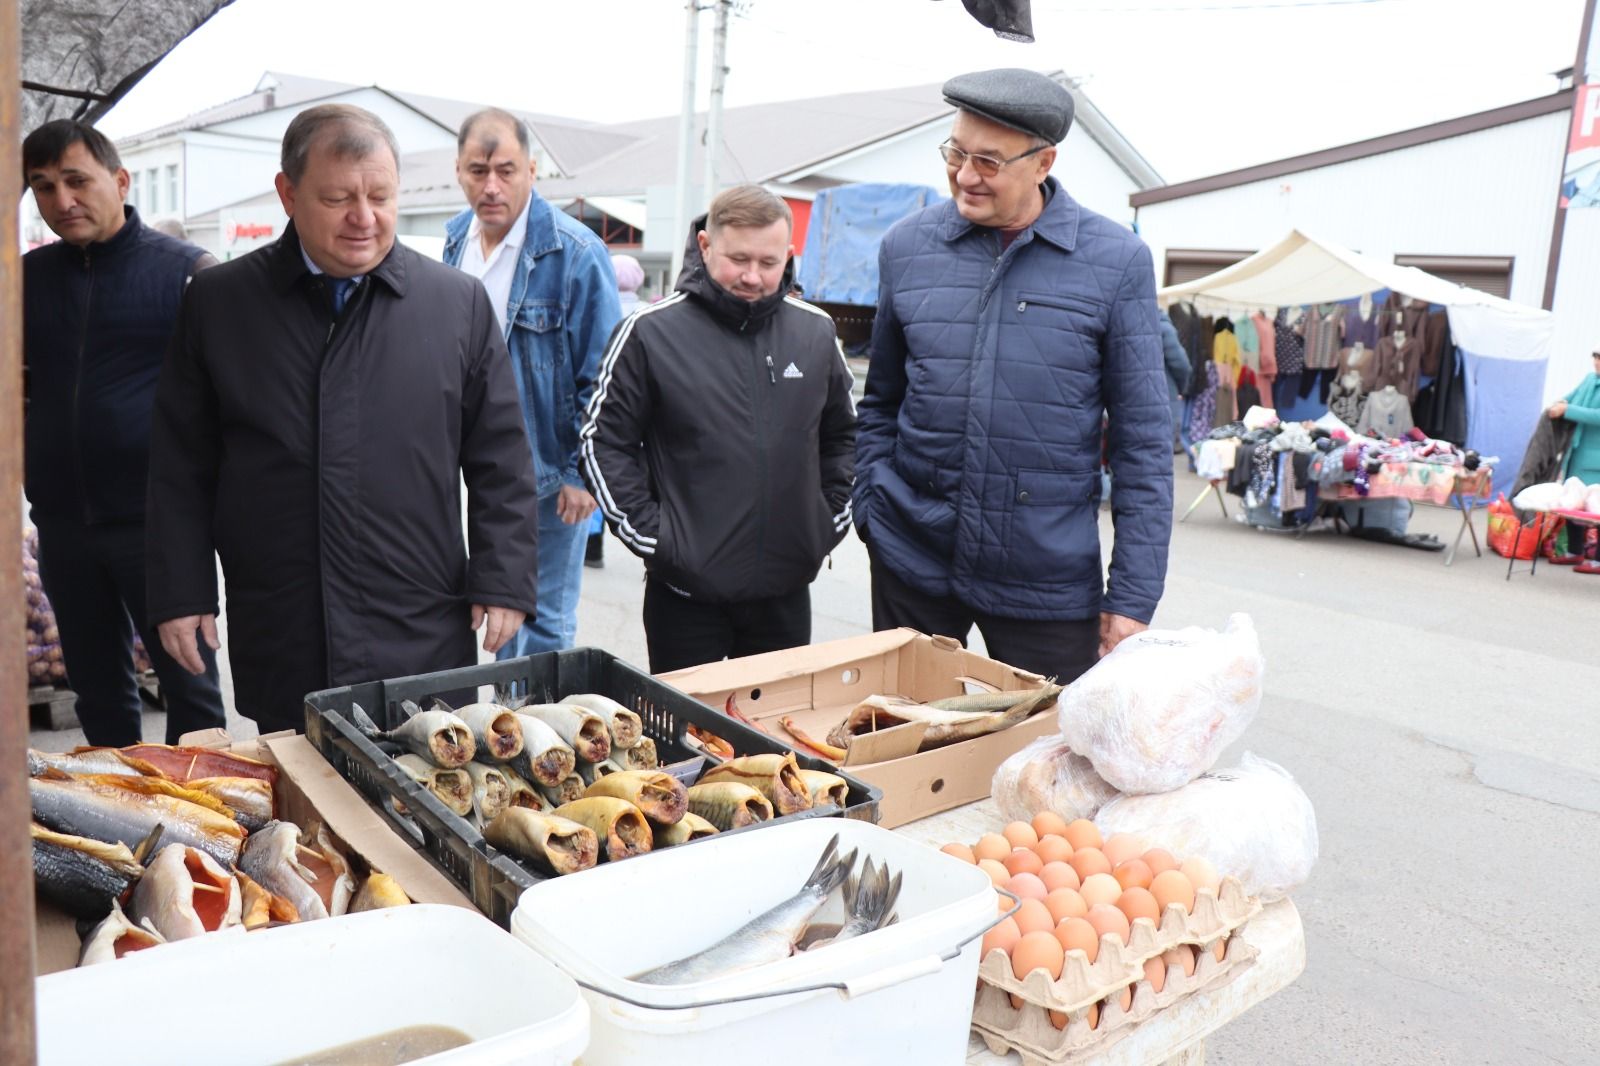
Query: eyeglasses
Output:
(986,165)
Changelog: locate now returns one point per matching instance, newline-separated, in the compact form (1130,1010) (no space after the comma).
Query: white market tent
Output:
(1505,346)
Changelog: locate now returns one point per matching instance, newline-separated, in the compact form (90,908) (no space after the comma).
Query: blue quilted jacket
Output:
(979,440)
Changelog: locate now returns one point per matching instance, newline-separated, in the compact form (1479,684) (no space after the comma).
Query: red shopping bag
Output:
(1507,534)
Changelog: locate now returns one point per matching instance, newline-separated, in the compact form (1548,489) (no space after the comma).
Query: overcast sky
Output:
(1198,86)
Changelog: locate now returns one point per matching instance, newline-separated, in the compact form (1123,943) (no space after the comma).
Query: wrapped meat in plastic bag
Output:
(1252,821)
(1047,776)
(1158,712)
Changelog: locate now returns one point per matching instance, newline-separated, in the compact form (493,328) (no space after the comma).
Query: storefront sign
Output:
(234,232)
(1580,178)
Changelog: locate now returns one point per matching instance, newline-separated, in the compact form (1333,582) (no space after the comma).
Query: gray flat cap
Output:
(1022,99)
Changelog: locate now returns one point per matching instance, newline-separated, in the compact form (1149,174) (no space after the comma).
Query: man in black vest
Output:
(98,310)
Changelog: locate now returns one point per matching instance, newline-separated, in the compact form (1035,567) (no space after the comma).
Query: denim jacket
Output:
(562,309)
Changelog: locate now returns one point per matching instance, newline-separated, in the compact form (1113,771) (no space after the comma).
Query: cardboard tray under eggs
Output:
(1029,1032)
(1119,965)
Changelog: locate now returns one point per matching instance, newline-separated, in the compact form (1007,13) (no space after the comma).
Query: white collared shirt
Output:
(497,270)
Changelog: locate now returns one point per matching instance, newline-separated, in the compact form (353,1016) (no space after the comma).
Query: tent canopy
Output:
(1506,345)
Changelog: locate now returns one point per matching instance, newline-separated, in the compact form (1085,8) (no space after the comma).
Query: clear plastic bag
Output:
(1252,821)
(1047,776)
(1158,712)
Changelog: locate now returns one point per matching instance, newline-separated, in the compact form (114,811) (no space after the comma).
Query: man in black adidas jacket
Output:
(720,442)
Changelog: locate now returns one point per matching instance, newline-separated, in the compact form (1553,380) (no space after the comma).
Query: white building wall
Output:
(1490,193)
(225,170)
(1577,304)
(413,132)
(150,164)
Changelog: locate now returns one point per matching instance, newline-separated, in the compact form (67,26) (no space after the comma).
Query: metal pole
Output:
(719,78)
(691,60)
(16,849)
(1558,229)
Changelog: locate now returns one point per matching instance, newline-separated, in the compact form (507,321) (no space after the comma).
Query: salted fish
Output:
(642,756)
(584,731)
(80,875)
(546,759)
(89,761)
(438,736)
(660,797)
(248,798)
(377,892)
(944,726)
(495,730)
(775,775)
(272,858)
(258,907)
(826,788)
(184,893)
(618,825)
(625,727)
(690,827)
(729,804)
(869,901)
(571,788)
(181,763)
(522,793)
(491,793)
(125,810)
(558,844)
(766,938)
(453,788)
(115,937)
(590,772)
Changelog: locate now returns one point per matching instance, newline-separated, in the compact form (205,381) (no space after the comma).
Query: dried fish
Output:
(642,756)
(690,827)
(438,736)
(125,810)
(729,804)
(945,726)
(660,797)
(377,892)
(776,776)
(80,875)
(584,731)
(618,825)
(590,772)
(453,788)
(826,788)
(272,858)
(495,730)
(491,793)
(546,759)
(184,893)
(624,725)
(555,843)
(115,937)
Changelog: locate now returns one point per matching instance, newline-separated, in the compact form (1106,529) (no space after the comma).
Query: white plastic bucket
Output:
(906,992)
(262,998)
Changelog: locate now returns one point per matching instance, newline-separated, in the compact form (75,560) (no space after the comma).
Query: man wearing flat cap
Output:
(1010,322)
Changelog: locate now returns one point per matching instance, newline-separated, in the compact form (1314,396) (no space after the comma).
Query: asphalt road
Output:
(1443,722)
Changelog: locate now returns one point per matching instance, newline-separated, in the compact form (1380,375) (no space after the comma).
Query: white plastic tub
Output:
(906,994)
(263,998)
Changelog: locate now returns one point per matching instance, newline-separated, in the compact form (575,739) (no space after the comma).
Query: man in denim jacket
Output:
(550,282)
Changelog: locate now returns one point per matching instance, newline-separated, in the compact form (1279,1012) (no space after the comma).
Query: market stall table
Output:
(1411,480)
(1177,1035)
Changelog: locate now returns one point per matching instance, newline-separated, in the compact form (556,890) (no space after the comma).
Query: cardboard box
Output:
(818,685)
(308,792)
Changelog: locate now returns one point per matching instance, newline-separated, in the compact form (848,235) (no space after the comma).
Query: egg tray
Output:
(1118,964)
(1029,1032)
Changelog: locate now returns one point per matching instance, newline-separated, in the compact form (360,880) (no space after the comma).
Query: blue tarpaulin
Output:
(840,264)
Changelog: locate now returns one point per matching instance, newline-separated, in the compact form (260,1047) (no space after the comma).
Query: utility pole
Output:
(691,59)
(719,78)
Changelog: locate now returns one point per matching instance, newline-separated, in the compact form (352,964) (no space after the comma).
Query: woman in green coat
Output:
(1582,408)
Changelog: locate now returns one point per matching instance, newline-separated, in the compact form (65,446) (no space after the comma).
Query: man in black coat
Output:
(322,400)
(99,308)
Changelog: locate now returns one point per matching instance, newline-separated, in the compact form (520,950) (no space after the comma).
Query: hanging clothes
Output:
(1289,343)
(1186,320)
(1385,414)
(1397,365)
(1203,405)
(1249,343)
(1324,336)
(1359,328)
(1346,397)
(1249,393)
(1267,342)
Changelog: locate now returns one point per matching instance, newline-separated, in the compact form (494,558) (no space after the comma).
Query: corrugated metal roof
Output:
(274,90)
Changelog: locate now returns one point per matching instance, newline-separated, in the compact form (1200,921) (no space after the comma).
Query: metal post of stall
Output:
(16,850)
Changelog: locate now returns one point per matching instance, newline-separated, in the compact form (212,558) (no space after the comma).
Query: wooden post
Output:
(17,1043)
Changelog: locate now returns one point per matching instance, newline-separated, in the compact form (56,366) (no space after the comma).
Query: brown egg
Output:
(1058,875)
(997,873)
(1100,888)
(1016,1001)
(1181,956)
(1058,1019)
(1087,861)
(1158,859)
(1155,971)
(1094,1015)
(1037,951)
(1020,834)
(991,846)
(1065,903)
(1108,920)
(1124,998)
(1003,904)
(1220,948)
(1076,934)
(1120,847)
(1023,861)
(1138,903)
(1003,936)
(1028,886)
(1203,875)
(1082,834)
(960,851)
(1135,873)
(1034,917)
(1049,823)
(1172,887)
(1053,848)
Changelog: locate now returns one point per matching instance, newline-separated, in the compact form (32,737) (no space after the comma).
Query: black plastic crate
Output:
(493,879)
